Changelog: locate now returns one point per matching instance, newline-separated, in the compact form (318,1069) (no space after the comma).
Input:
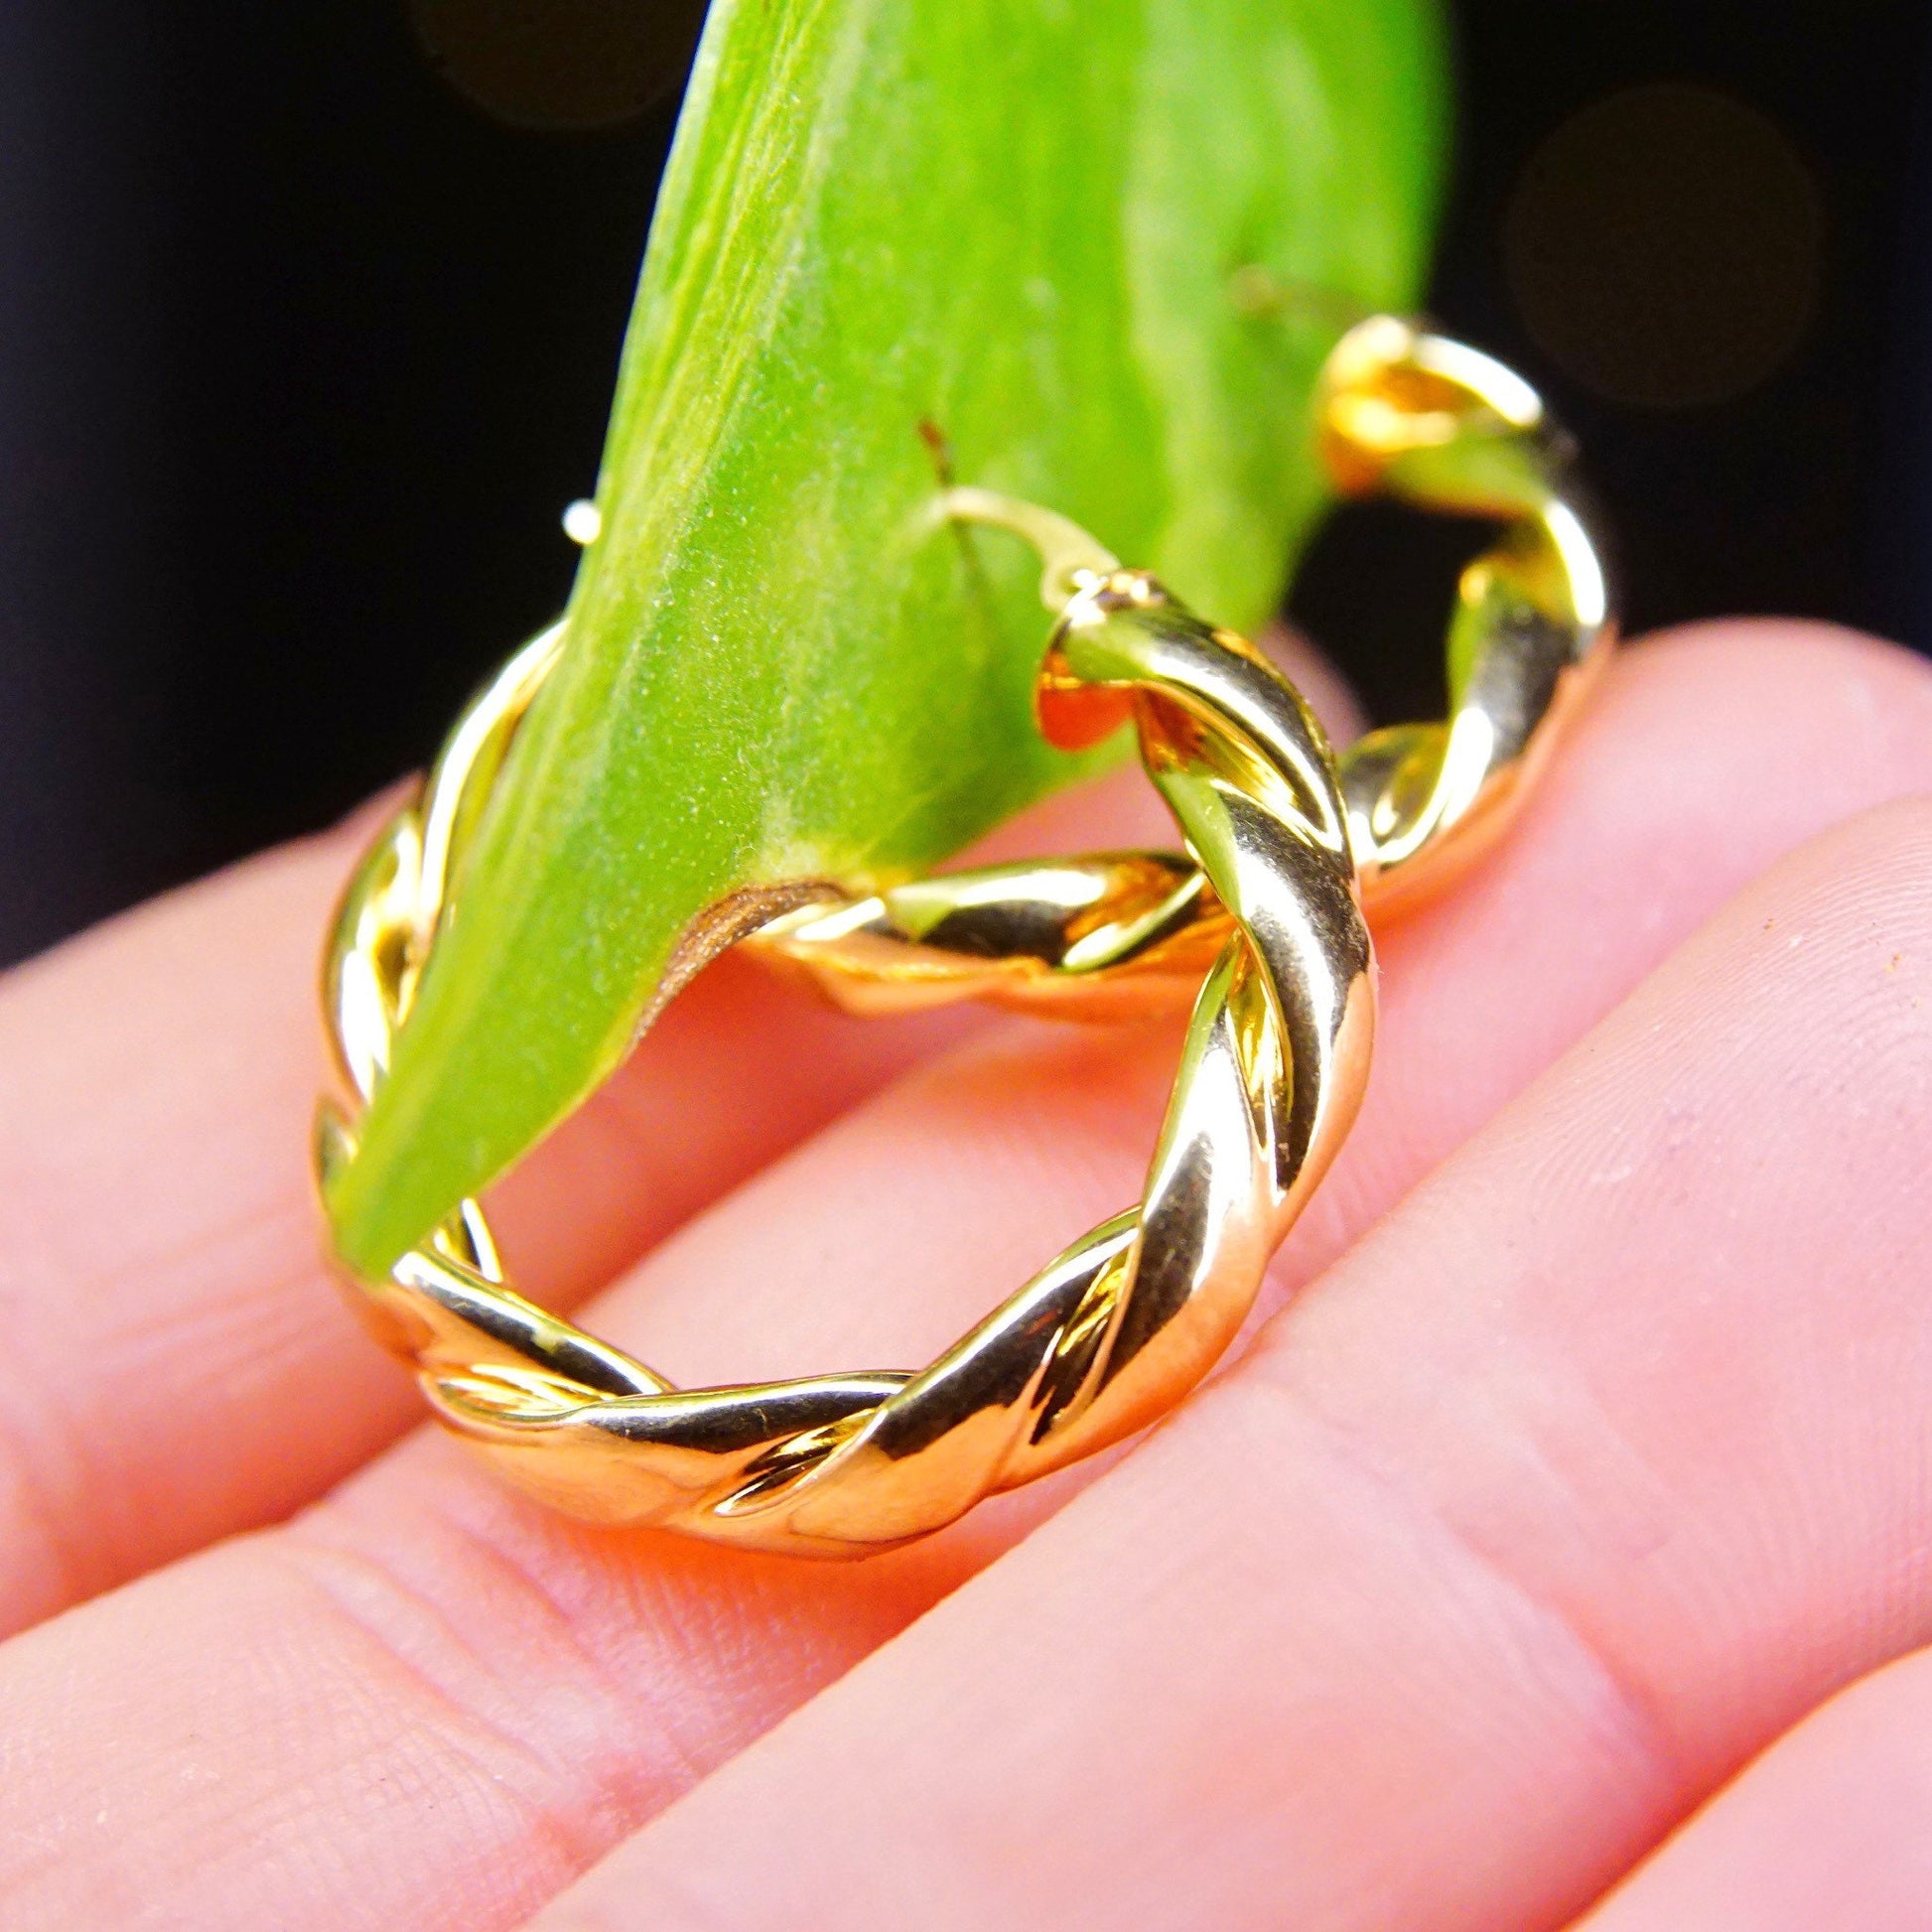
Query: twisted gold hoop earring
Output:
(1261,920)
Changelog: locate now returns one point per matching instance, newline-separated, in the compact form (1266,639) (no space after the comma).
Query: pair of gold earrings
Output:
(1259,919)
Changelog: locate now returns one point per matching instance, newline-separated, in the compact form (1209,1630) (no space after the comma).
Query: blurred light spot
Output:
(583,523)
(559,66)
(1664,247)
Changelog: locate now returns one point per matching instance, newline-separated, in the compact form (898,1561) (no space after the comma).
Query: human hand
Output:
(1587,1466)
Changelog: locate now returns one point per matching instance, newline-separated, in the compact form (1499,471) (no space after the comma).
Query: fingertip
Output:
(1808,680)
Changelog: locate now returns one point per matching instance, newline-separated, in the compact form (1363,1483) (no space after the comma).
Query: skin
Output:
(1557,1548)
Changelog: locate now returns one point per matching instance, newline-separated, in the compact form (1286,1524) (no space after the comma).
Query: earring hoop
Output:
(1260,918)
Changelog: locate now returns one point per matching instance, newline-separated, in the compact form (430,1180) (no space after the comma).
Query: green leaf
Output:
(1099,247)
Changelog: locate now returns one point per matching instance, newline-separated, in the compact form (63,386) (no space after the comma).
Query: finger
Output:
(477,1697)
(155,1245)
(1831,1826)
(157,1218)
(1709,755)
(1597,1465)
(181,1364)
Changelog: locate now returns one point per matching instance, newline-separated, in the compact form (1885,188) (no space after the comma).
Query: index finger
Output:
(183,1363)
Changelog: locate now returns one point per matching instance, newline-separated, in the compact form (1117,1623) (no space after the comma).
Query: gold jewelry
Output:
(1260,921)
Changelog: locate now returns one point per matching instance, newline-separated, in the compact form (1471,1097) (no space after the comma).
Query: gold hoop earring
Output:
(1261,918)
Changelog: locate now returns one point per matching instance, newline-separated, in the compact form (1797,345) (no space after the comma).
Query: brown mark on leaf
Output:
(939,448)
(720,926)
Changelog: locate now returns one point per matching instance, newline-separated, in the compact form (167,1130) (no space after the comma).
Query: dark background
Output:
(303,350)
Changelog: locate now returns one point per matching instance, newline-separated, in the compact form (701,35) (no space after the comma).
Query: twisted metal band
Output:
(1260,921)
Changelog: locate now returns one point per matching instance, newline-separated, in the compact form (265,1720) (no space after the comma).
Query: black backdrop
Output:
(301,351)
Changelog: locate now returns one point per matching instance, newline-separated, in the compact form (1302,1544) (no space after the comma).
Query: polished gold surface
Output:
(1259,921)
(1415,416)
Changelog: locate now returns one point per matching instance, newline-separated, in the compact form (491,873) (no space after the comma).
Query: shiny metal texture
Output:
(1259,921)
